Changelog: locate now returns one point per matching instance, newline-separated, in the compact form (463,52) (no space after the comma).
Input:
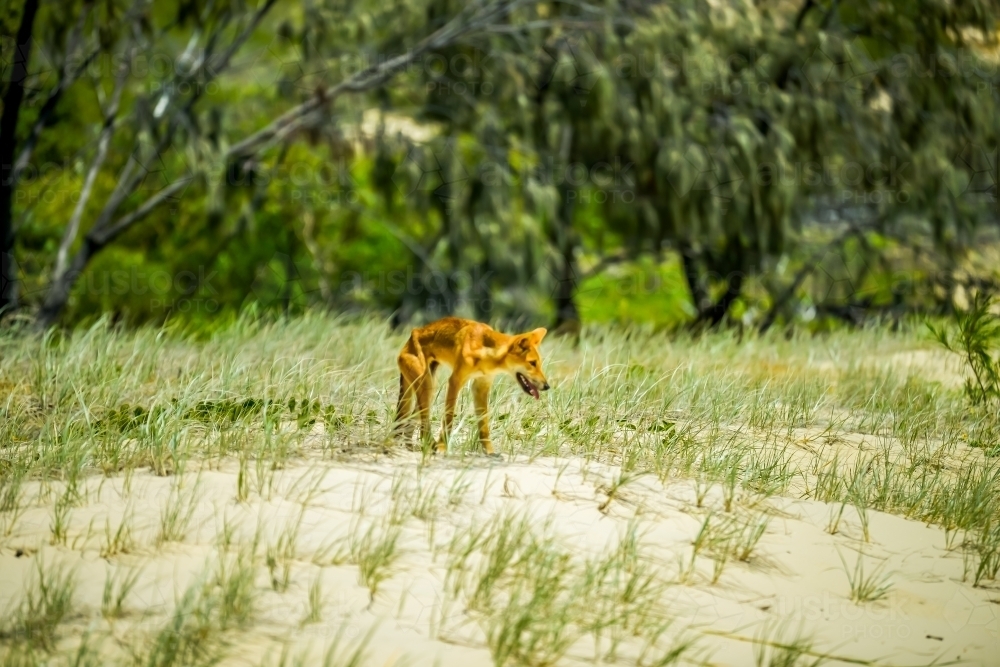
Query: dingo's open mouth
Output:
(527,385)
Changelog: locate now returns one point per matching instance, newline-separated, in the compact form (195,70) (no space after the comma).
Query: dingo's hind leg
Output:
(425,392)
(403,428)
(411,370)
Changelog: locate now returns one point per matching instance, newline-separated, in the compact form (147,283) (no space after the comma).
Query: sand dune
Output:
(794,584)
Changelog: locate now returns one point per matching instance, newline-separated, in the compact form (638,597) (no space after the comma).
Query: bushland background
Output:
(687,163)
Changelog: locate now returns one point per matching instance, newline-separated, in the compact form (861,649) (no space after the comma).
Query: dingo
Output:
(474,352)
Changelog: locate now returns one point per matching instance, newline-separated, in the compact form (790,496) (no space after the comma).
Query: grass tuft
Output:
(48,600)
(866,587)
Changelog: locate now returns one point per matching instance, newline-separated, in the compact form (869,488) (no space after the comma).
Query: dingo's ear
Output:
(526,341)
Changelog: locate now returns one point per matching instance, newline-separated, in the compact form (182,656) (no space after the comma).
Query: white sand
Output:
(796,575)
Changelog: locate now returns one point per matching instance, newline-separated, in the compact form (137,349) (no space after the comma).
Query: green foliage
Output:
(713,129)
(977,341)
(643,291)
(127,418)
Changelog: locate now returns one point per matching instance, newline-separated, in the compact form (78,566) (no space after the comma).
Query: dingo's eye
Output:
(533,364)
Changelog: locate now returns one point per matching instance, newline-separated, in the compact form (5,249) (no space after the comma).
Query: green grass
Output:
(282,554)
(867,586)
(47,601)
(120,540)
(191,634)
(535,599)
(777,646)
(736,423)
(314,613)
(375,552)
(118,585)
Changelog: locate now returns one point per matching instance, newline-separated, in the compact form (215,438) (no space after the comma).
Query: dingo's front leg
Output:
(481,396)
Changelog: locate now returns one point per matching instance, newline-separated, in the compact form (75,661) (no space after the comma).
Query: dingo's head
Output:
(524,362)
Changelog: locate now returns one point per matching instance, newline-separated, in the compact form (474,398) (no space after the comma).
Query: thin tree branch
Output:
(605,262)
(69,236)
(372,77)
(45,113)
(106,235)
(129,180)
(126,182)
(223,63)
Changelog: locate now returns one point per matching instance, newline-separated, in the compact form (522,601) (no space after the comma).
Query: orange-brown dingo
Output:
(474,352)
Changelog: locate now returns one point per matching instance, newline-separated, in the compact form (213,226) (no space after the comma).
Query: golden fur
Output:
(475,353)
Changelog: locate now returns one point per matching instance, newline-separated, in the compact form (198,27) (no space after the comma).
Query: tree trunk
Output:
(8,128)
(714,314)
(711,313)
(699,295)
(58,293)
(567,312)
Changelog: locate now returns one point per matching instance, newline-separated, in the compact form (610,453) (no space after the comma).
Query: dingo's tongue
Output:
(528,386)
